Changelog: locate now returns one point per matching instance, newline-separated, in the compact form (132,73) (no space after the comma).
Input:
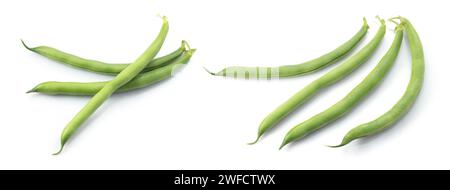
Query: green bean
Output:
(121,79)
(91,88)
(355,96)
(98,66)
(298,69)
(326,80)
(406,101)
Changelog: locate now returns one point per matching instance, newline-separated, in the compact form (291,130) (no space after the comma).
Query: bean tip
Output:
(395,17)
(343,143)
(282,145)
(185,45)
(162,17)
(393,21)
(191,51)
(381,20)
(255,141)
(334,146)
(32,90)
(211,73)
(25,45)
(59,151)
(365,21)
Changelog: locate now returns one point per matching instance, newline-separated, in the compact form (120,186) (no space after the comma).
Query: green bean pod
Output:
(110,87)
(98,66)
(297,69)
(91,88)
(355,96)
(326,80)
(406,101)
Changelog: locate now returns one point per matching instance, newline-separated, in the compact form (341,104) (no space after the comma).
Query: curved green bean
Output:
(406,101)
(355,96)
(298,69)
(91,88)
(121,79)
(98,66)
(326,80)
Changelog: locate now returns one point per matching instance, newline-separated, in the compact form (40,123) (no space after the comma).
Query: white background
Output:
(197,121)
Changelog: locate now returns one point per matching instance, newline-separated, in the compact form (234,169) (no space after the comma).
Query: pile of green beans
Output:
(144,71)
(355,96)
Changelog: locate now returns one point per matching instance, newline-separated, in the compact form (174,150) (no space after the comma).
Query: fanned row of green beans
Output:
(144,71)
(351,100)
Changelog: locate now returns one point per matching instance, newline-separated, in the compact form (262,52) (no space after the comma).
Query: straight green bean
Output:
(298,69)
